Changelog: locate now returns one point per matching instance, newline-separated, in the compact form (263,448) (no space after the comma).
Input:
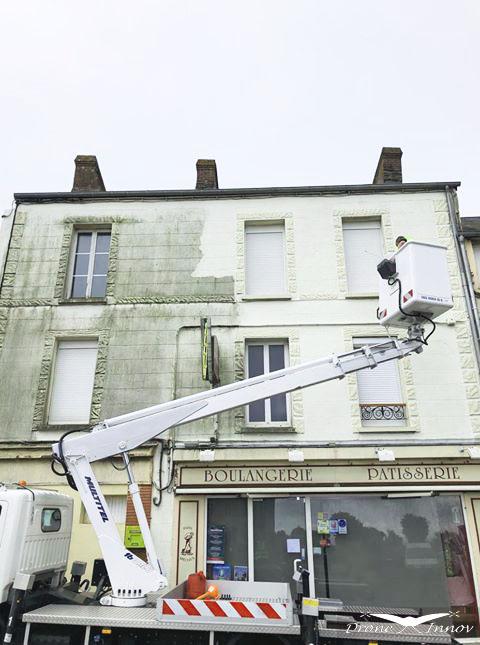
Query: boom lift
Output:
(131,578)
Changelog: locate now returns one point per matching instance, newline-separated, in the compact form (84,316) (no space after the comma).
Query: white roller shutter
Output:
(363,246)
(72,384)
(381,384)
(118,509)
(476,253)
(265,260)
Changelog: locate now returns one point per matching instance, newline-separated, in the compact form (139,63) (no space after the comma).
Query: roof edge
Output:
(229,193)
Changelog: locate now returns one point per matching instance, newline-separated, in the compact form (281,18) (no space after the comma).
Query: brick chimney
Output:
(389,168)
(206,175)
(88,177)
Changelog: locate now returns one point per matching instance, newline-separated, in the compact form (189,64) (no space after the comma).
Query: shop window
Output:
(72,382)
(394,552)
(363,247)
(380,391)
(227,539)
(90,264)
(265,272)
(264,357)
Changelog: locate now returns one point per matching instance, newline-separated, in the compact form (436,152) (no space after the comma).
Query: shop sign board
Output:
(326,475)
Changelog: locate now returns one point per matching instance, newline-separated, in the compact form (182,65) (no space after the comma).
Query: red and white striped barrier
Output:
(225,611)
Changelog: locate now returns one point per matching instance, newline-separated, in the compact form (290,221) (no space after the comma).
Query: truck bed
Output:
(138,618)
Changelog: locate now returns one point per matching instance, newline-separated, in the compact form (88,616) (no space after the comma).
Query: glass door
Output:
(279,538)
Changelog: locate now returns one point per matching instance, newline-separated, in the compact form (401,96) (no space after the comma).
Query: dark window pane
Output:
(277,357)
(274,522)
(103,242)
(79,287)
(278,407)
(256,411)
(99,286)
(83,242)
(255,360)
(81,264)
(100,265)
(228,544)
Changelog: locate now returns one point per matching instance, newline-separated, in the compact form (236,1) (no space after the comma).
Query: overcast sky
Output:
(279,92)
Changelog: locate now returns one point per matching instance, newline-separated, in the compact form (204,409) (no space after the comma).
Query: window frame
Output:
(395,425)
(349,222)
(268,423)
(91,259)
(275,226)
(51,383)
(50,530)
(85,520)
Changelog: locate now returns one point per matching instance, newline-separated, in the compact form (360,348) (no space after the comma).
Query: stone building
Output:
(101,303)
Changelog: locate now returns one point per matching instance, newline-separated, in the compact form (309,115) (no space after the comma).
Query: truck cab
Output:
(35,531)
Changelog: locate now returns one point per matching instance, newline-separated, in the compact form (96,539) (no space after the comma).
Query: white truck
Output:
(139,605)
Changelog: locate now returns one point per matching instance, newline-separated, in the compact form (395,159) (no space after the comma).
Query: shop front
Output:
(371,535)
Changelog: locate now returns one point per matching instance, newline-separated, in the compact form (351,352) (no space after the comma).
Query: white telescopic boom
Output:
(126,432)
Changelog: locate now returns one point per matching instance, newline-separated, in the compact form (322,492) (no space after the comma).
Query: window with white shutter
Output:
(118,508)
(476,253)
(263,357)
(72,382)
(380,392)
(363,247)
(265,260)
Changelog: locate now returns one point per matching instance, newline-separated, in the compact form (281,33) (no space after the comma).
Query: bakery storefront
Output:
(371,534)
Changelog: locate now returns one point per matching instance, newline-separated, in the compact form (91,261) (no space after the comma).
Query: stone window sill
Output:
(255,429)
(82,301)
(280,296)
(53,433)
(386,429)
(361,296)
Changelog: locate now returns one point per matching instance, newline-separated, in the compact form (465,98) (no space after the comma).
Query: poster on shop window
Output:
(216,545)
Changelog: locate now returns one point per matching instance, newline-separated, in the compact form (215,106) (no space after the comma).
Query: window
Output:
(380,392)
(118,509)
(90,264)
(363,247)
(227,539)
(264,357)
(476,255)
(365,549)
(403,552)
(265,259)
(72,383)
(51,520)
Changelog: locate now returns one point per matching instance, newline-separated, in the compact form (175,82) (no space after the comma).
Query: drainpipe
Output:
(467,283)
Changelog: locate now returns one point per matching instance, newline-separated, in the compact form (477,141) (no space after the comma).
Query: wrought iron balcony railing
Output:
(383,411)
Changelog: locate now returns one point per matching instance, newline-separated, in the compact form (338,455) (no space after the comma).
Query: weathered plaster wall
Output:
(173,262)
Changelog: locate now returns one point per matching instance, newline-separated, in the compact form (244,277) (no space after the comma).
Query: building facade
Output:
(112,301)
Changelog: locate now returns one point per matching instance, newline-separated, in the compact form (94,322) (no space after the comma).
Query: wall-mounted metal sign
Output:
(209,353)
